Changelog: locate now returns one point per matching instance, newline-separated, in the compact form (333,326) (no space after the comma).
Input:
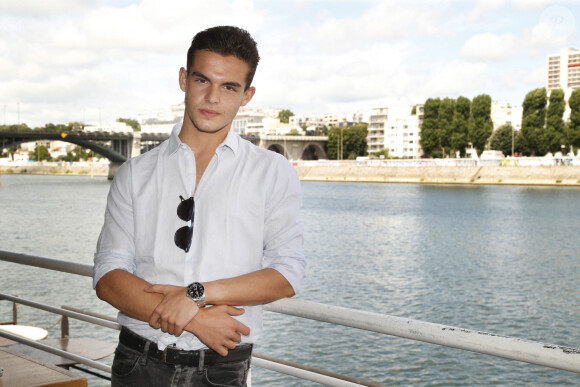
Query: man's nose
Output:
(212,95)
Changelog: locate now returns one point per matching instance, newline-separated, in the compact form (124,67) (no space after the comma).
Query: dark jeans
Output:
(131,368)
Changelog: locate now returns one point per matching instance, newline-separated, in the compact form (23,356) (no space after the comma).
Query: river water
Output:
(501,259)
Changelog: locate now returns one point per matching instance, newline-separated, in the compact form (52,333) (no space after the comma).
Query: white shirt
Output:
(246,218)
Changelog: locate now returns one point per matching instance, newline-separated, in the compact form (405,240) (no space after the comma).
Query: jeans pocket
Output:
(125,361)
(227,375)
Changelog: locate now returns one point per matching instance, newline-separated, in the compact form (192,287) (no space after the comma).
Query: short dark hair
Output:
(227,40)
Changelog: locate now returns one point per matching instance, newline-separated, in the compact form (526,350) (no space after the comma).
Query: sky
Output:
(94,61)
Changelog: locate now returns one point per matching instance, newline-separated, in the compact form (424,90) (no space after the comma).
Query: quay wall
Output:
(56,169)
(563,175)
(518,175)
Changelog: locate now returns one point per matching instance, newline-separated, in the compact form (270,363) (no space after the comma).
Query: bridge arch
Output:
(313,152)
(278,148)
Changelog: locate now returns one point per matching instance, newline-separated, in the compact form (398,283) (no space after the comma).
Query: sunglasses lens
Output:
(183,236)
(186,209)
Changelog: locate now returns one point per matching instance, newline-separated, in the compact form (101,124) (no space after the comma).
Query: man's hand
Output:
(216,328)
(175,311)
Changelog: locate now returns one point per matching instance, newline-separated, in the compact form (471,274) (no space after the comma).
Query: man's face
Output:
(214,90)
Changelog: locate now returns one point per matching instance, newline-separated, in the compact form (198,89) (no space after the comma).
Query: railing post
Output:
(15,312)
(64,327)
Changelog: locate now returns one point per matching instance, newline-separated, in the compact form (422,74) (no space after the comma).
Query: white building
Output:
(396,130)
(163,120)
(117,127)
(502,113)
(564,70)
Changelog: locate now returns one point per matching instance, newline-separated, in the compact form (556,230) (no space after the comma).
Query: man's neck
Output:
(202,142)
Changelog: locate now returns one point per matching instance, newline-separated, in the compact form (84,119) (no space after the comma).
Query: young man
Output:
(197,227)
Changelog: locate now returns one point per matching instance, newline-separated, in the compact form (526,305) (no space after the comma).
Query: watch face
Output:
(195,290)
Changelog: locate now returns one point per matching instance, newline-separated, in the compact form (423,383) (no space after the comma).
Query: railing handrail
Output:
(548,355)
(272,364)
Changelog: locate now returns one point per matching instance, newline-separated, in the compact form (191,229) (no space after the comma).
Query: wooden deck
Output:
(89,348)
(23,371)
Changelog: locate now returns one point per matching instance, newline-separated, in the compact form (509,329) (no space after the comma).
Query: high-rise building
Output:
(564,70)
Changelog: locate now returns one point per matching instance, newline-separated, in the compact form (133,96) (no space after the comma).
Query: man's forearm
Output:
(259,287)
(126,292)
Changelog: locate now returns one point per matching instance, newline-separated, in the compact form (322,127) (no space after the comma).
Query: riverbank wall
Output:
(57,169)
(476,174)
(561,175)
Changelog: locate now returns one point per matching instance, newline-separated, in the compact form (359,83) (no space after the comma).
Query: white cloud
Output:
(456,78)
(40,8)
(121,57)
(483,7)
(491,47)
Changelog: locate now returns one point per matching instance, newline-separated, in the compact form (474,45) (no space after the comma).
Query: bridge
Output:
(120,146)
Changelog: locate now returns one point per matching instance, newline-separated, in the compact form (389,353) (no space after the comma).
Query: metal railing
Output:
(548,355)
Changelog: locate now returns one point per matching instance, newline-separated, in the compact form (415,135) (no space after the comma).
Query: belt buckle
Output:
(164,356)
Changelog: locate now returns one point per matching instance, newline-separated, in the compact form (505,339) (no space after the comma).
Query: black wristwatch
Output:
(196,292)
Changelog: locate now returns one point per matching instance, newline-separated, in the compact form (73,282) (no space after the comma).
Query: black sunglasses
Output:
(186,212)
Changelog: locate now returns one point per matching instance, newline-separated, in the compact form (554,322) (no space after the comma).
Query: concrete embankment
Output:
(520,175)
(62,169)
(563,175)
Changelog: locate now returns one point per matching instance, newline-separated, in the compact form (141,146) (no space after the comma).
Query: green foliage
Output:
(573,131)
(501,139)
(132,123)
(77,154)
(445,122)
(354,142)
(533,120)
(460,125)
(414,110)
(384,153)
(40,153)
(555,134)
(61,127)
(429,141)
(284,115)
(14,127)
(480,125)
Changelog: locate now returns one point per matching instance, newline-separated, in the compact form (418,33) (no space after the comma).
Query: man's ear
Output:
(248,94)
(182,79)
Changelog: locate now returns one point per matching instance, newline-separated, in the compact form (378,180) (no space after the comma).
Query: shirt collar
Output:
(232,141)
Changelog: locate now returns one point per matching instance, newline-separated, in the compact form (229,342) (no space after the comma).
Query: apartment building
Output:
(502,113)
(564,70)
(398,131)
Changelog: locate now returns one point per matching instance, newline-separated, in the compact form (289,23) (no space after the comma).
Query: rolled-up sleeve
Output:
(116,244)
(283,236)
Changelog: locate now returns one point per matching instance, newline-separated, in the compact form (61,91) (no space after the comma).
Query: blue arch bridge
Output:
(119,147)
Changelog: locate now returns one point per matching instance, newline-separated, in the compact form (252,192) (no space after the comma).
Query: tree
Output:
(384,153)
(284,115)
(445,123)
(533,120)
(40,153)
(14,127)
(480,125)
(502,139)
(132,123)
(573,131)
(555,136)
(429,142)
(460,125)
(347,143)
(78,153)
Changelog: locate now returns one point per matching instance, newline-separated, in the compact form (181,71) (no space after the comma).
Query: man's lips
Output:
(208,113)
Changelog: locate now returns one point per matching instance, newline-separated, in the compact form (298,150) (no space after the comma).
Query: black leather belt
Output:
(171,355)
